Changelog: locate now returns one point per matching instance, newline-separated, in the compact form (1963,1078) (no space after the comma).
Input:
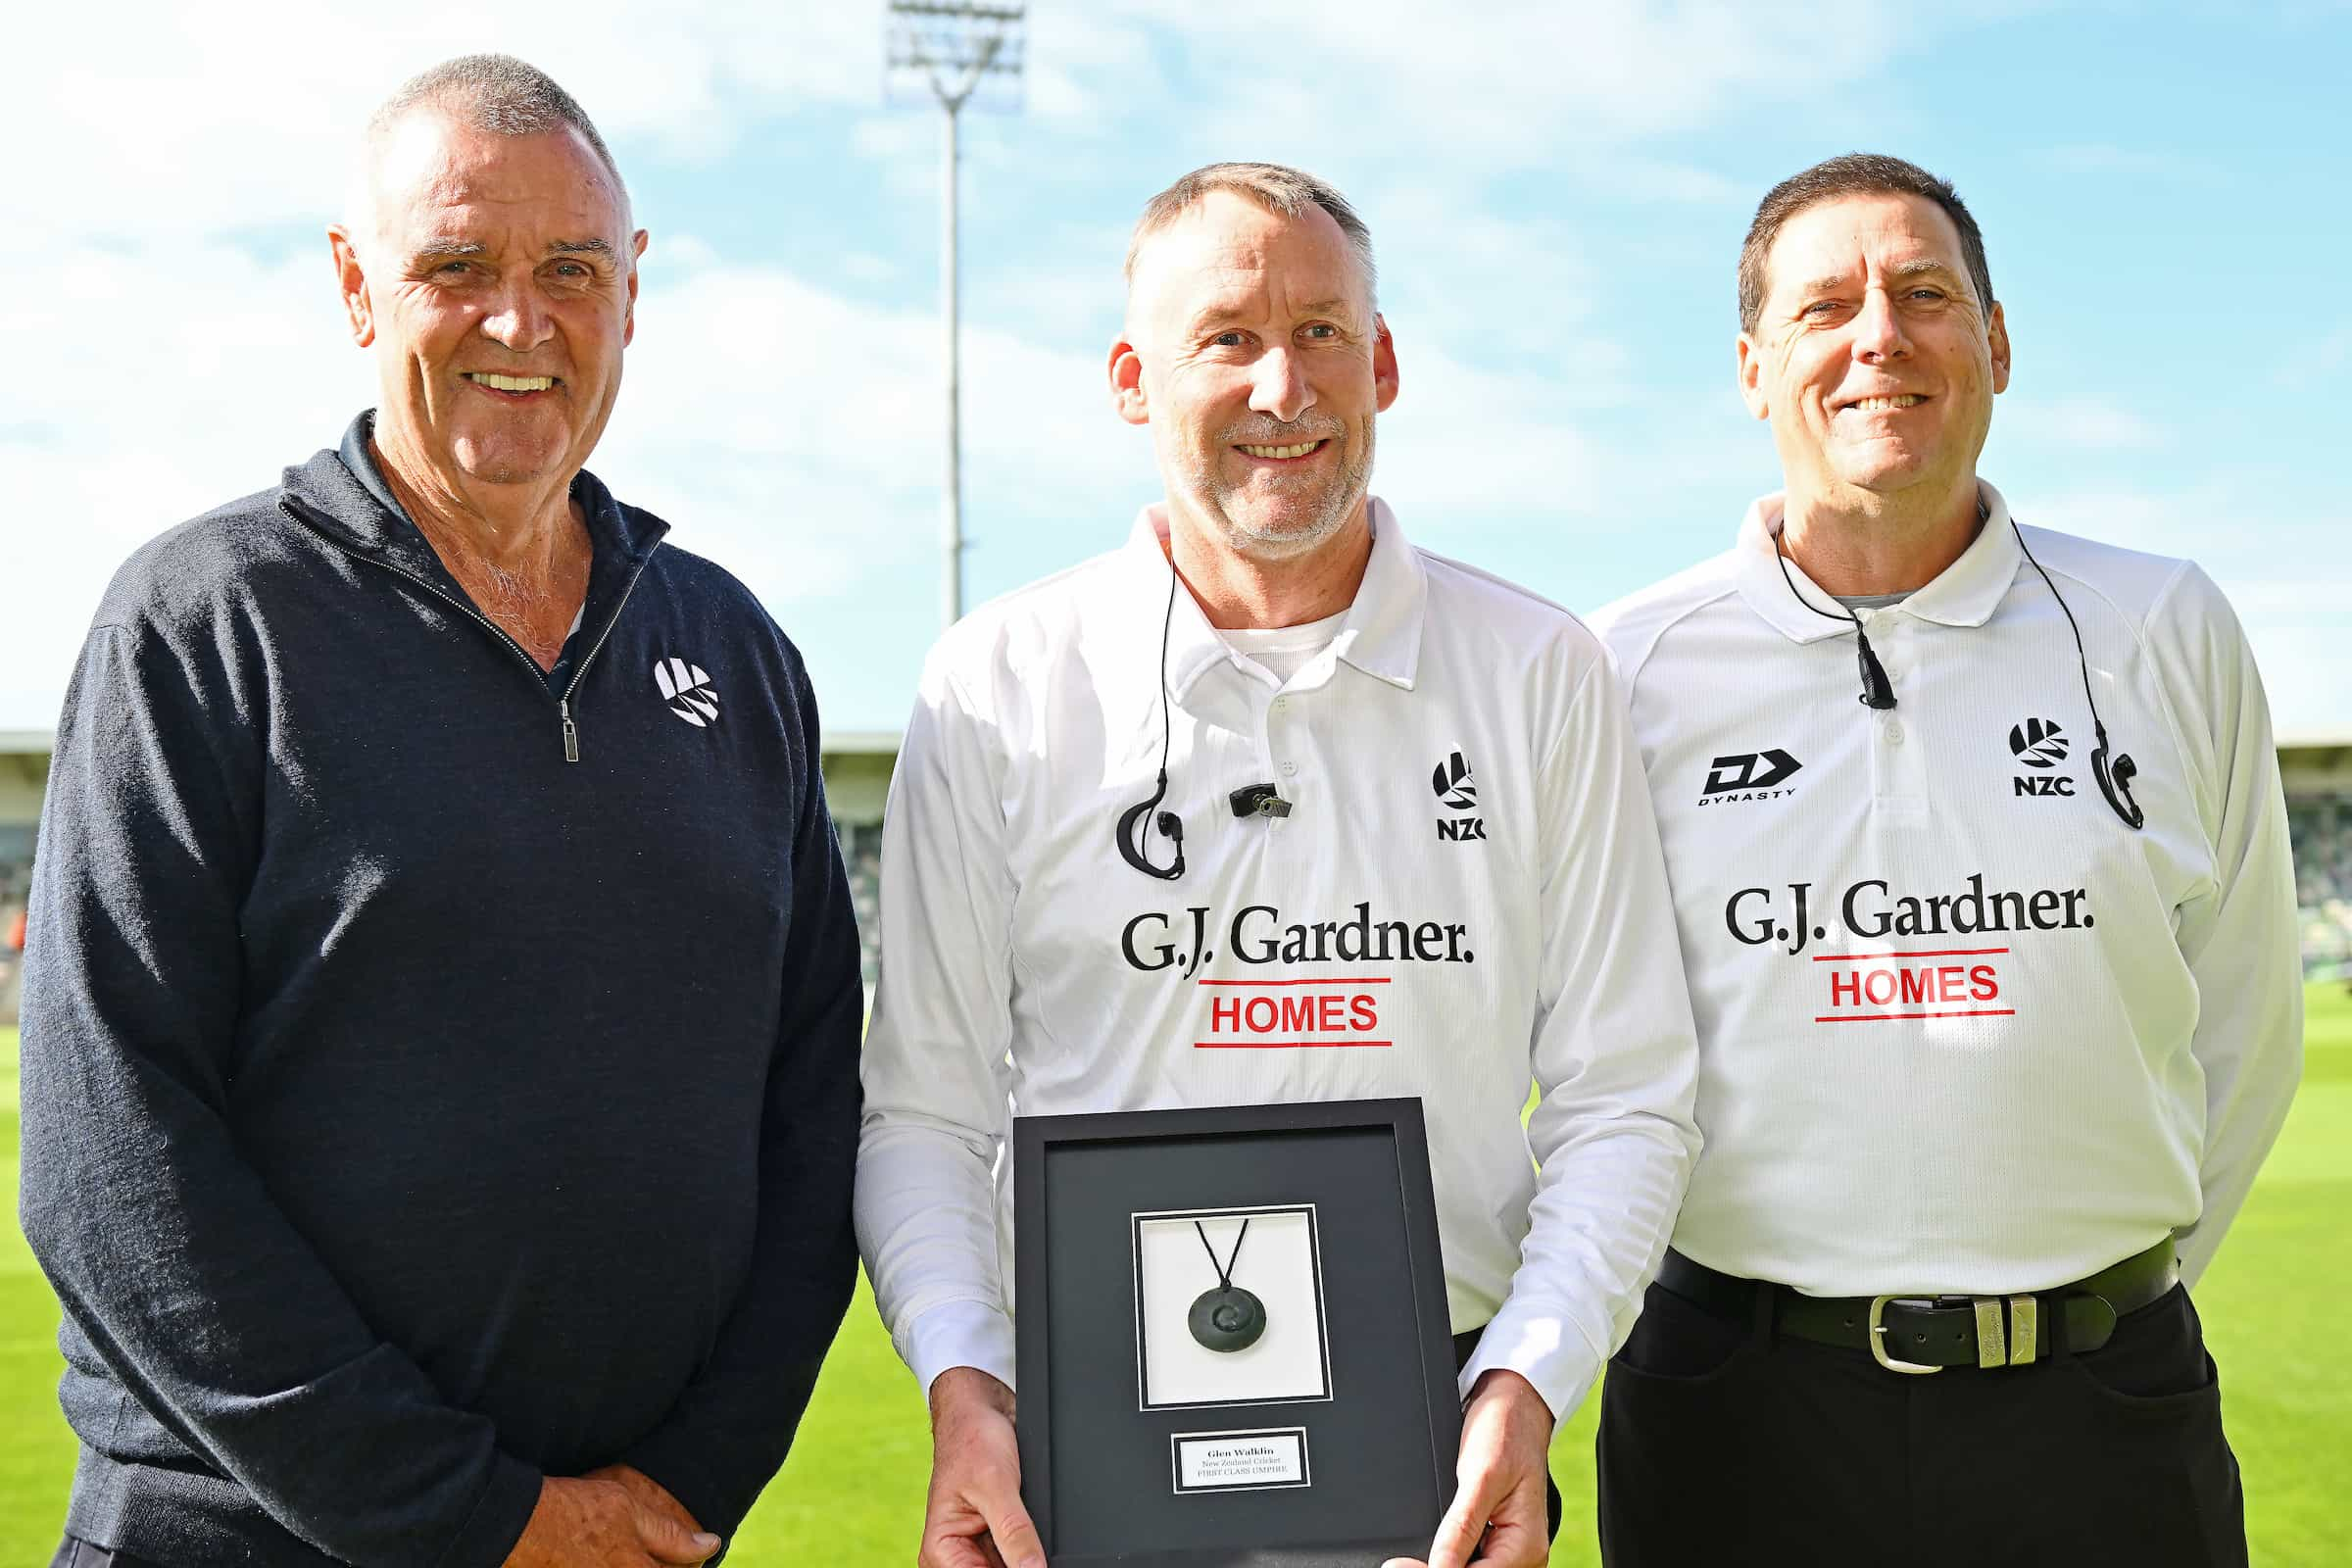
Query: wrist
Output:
(967,1390)
(1501,1385)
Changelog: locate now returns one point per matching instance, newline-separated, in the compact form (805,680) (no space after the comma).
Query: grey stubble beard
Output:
(1339,501)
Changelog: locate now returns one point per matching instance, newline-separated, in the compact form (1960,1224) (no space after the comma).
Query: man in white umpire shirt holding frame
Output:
(1267,739)
(1980,864)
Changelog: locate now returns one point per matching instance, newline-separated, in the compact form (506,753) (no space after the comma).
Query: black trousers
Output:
(1721,1442)
(1465,1346)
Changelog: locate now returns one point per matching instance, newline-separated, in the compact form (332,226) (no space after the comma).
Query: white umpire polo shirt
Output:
(1467,896)
(1962,1029)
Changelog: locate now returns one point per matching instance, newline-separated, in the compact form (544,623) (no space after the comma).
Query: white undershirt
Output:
(1282,650)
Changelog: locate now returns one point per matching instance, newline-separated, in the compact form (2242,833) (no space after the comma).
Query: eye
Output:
(452,269)
(1322,331)
(1232,338)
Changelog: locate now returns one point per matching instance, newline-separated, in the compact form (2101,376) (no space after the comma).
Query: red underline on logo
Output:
(1375,980)
(1934,953)
(1883,1017)
(1288,1044)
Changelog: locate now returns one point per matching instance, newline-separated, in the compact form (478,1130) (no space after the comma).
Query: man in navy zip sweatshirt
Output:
(441,1011)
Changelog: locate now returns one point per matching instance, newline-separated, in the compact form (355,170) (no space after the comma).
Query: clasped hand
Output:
(613,1517)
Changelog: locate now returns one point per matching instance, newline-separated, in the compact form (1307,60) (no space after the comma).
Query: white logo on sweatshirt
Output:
(688,691)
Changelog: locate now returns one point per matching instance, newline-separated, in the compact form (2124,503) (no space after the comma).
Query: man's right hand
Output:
(973,1517)
(595,1524)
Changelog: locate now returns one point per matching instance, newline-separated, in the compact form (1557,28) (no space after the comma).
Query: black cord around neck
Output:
(2114,777)
(1878,692)
(1134,838)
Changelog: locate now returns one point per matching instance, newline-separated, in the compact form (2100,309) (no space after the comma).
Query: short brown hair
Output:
(1276,187)
(1854,174)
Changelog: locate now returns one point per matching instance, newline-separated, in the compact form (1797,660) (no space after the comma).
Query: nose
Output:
(1278,387)
(1879,329)
(518,319)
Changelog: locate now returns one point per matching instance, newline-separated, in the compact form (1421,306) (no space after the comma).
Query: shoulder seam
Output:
(1636,666)
(1517,589)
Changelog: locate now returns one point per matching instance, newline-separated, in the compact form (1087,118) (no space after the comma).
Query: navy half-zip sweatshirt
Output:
(408,1110)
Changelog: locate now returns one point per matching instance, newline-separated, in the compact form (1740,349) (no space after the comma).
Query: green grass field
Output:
(852,1491)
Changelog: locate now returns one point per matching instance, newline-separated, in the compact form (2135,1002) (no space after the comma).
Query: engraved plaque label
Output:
(1240,1461)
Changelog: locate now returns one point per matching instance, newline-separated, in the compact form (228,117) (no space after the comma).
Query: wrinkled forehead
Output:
(1852,238)
(1226,253)
(434,178)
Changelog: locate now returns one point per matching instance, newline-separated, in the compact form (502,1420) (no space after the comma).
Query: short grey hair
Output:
(1277,187)
(499,94)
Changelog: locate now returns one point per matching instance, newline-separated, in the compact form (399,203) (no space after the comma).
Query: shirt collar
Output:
(1380,636)
(1965,593)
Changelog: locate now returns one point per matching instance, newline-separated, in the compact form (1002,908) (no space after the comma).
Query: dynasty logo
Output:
(1748,776)
(1943,967)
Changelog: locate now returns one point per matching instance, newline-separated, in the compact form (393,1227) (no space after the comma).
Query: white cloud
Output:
(2080,424)
(173,119)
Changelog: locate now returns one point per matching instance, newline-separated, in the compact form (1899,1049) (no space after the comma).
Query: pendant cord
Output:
(1878,692)
(1224,1272)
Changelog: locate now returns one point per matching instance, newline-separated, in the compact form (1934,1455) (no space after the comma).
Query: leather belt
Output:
(1917,1332)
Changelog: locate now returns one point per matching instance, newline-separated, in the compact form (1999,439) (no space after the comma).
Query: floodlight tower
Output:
(954,47)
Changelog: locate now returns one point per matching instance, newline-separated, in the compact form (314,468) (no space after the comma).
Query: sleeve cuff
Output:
(956,1334)
(1545,1347)
(498,1521)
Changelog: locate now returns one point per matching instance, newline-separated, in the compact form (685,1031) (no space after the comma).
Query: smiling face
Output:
(1872,355)
(1253,352)
(496,283)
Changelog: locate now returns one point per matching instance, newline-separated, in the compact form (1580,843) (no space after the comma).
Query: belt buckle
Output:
(1877,1334)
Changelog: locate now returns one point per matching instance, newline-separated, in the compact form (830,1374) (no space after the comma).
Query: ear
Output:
(1126,370)
(1383,363)
(1751,377)
(350,279)
(1997,329)
(628,315)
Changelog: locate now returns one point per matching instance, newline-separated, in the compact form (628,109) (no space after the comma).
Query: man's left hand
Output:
(648,1494)
(1498,1518)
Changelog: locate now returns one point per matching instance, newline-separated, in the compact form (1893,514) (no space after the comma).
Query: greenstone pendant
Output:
(1227,1318)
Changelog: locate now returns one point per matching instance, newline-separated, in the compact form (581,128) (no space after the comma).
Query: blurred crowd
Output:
(2321,829)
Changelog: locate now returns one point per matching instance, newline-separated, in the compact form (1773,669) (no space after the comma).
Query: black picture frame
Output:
(1096,1462)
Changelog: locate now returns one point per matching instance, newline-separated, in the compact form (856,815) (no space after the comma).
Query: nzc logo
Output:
(2037,743)
(687,690)
(1450,783)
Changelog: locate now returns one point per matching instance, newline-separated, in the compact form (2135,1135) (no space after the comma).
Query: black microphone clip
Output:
(1878,692)
(1258,799)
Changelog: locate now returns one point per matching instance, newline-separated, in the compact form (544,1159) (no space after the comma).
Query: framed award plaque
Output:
(1232,1335)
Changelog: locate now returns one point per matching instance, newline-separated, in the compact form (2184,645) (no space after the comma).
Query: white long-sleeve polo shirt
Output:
(1962,1028)
(1468,895)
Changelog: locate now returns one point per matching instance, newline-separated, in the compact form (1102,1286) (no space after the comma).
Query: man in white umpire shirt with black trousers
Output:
(1267,739)
(1980,864)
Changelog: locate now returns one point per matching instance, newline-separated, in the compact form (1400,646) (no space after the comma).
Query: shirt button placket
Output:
(1898,762)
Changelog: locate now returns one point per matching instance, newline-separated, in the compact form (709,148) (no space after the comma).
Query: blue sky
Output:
(1556,193)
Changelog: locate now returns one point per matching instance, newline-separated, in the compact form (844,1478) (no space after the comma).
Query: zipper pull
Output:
(572,732)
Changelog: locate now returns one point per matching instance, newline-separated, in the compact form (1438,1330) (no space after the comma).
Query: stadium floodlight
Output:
(954,52)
